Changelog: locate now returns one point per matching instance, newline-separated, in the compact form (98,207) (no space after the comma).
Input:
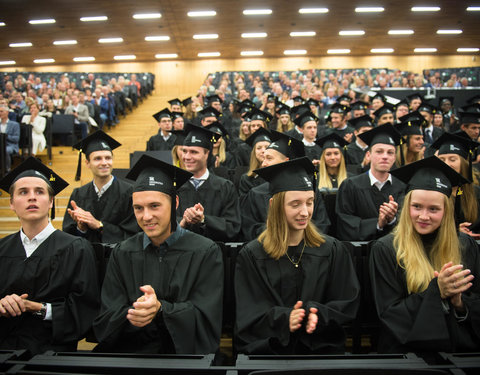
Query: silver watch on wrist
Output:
(42,312)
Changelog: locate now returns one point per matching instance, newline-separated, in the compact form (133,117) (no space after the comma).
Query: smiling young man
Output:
(367,204)
(101,210)
(164,140)
(163,288)
(48,281)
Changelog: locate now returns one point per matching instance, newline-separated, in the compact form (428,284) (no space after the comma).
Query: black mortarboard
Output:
(359,105)
(260,135)
(361,121)
(179,136)
(312,102)
(305,117)
(339,108)
(97,141)
(176,115)
(210,112)
(32,167)
(175,101)
(213,99)
(332,140)
(187,101)
(291,147)
(474,99)
(292,175)
(299,109)
(199,136)
(411,127)
(427,107)
(272,98)
(469,117)
(151,174)
(283,109)
(429,174)
(344,98)
(402,102)
(218,128)
(414,116)
(257,114)
(474,107)
(443,99)
(298,99)
(386,108)
(385,134)
(380,96)
(161,114)
(415,95)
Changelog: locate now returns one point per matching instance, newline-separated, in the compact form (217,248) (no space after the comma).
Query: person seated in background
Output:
(284,122)
(338,121)
(12,131)
(177,121)
(38,124)
(413,145)
(302,281)
(81,114)
(164,140)
(384,115)
(222,157)
(101,210)
(331,166)
(163,287)
(356,151)
(308,123)
(48,281)
(470,124)
(423,273)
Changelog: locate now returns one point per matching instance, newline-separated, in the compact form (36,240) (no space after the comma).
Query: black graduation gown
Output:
(294,133)
(62,272)
(114,209)
(267,289)
(354,154)
(157,143)
(188,282)
(248,182)
(342,133)
(219,199)
(254,210)
(357,207)
(313,152)
(417,321)
(242,155)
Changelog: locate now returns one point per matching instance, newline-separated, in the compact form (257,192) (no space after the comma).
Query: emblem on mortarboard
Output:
(195,140)
(336,144)
(439,183)
(453,148)
(391,140)
(307,181)
(104,145)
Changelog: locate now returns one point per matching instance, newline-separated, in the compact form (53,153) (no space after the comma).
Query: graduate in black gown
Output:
(294,287)
(163,288)
(356,150)
(208,203)
(367,204)
(424,273)
(48,282)
(164,140)
(254,204)
(331,166)
(222,156)
(101,210)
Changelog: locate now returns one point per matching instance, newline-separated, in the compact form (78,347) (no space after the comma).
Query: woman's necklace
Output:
(299,258)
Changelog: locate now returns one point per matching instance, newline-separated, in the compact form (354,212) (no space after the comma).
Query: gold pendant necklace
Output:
(299,258)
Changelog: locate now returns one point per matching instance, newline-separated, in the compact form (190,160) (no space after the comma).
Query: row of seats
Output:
(471,73)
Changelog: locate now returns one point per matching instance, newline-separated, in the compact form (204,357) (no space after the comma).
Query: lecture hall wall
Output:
(184,77)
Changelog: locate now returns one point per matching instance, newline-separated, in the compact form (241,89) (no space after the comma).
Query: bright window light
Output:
(205,36)
(84,59)
(157,38)
(43,61)
(351,32)
(124,57)
(400,32)
(16,45)
(451,32)
(338,51)
(110,40)
(295,52)
(64,42)
(7,62)
(146,16)
(166,56)
(41,22)
(420,50)
(208,54)
(381,50)
(312,10)
(251,53)
(93,19)
(468,49)
(302,33)
(369,9)
(255,12)
(425,9)
(254,35)
(202,13)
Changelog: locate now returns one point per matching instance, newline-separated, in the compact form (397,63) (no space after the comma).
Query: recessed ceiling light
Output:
(208,54)
(202,13)
(26,44)
(146,16)
(312,10)
(473,9)
(41,22)
(110,40)
(93,19)
(64,42)
(338,51)
(420,50)
(449,31)
(3,24)
(254,35)
(157,38)
(83,59)
(400,32)
(351,32)
(205,36)
(254,12)
(425,9)
(251,53)
(166,56)
(369,9)
(468,49)
(7,62)
(302,33)
(295,52)
(381,50)
(125,57)
(43,61)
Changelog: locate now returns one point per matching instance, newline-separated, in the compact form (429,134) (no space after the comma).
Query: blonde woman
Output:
(423,272)
(284,122)
(413,146)
(223,158)
(332,162)
(38,124)
(294,287)
(177,150)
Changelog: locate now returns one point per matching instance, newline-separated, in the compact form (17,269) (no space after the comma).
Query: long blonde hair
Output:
(254,163)
(175,160)
(468,199)
(404,149)
(222,155)
(324,180)
(275,237)
(280,127)
(411,255)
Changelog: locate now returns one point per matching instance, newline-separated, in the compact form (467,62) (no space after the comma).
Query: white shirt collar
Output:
(307,143)
(360,146)
(31,245)
(202,178)
(104,188)
(430,128)
(378,183)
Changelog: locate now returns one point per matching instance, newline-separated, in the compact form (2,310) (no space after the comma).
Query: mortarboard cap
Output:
(429,174)
(213,99)
(332,140)
(339,108)
(218,128)
(32,167)
(411,127)
(175,101)
(291,147)
(401,103)
(210,112)
(299,109)
(199,136)
(257,114)
(380,96)
(413,117)
(361,122)
(413,96)
(469,117)
(444,99)
(474,107)
(298,99)
(97,141)
(187,101)
(161,114)
(179,136)
(312,102)
(427,107)
(474,99)
(272,98)
(386,108)
(344,98)
(305,117)
(176,115)
(359,105)
(260,135)
(283,109)
(292,175)
(384,134)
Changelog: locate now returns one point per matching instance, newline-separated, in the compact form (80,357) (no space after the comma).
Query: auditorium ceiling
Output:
(445,29)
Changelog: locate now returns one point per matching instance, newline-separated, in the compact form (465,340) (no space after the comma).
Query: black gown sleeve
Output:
(69,225)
